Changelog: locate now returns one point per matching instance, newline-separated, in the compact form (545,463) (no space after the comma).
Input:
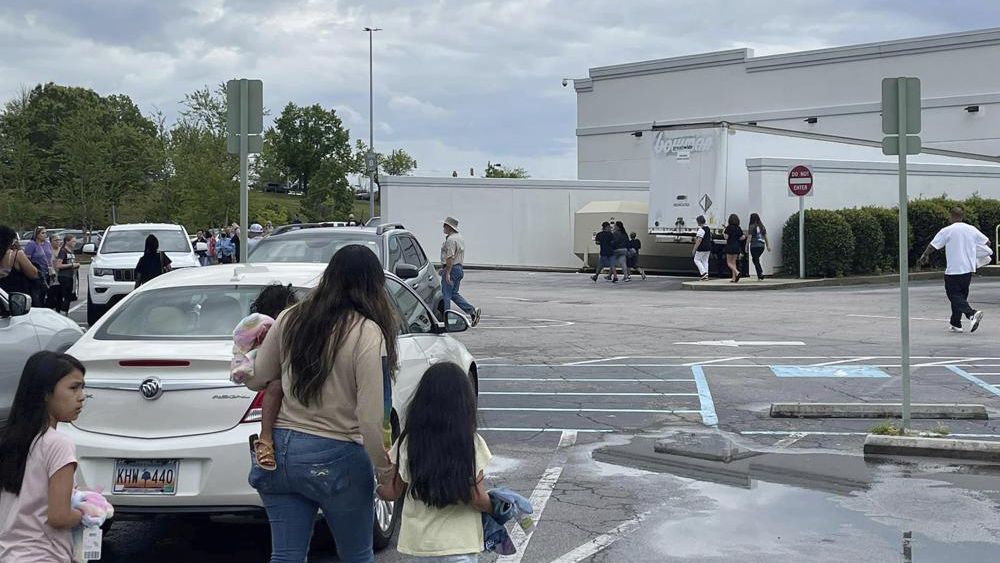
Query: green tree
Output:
(397,163)
(310,139)
(498,171)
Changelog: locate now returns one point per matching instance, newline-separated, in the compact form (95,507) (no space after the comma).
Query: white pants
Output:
(701,260)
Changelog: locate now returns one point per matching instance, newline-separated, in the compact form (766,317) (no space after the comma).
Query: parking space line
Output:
(584,379)
(76,307)
(734,358)
(848,361)
(991,388)
(788,441)
(558,393)
(826,433)
(599,360)
(536,430)
(635,411)
(946,362)
(540,497)
(708,416)
(601,542)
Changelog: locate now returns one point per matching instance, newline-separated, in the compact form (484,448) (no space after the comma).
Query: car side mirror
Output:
(455,321)
(407,271)
(20,304)
(90,248)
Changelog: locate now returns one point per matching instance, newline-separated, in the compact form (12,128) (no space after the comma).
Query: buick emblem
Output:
(151,388)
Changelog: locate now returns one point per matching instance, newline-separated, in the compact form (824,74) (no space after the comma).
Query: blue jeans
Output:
(451,293)
(317,473)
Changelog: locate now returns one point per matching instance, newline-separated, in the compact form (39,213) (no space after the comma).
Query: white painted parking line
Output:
(991,388)
(897,318)
(848,361)
(582,379)
(599,360)
(536,430)
(708,416)
(601,542)
(791,439)
(945,362)
(720,360)
(638,411)
(76,307)
(738,343)
(554,323)
(957,362)
(824,433)
(559,393)
(540,497)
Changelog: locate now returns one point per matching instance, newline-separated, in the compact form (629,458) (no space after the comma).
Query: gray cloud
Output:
(456,82)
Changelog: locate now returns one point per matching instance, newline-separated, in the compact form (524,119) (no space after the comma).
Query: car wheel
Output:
(94,311)
(387,514)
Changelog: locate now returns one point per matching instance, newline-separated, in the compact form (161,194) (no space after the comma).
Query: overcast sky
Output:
(457,82)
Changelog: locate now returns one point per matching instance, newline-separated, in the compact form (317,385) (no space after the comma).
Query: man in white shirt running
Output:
(960,241)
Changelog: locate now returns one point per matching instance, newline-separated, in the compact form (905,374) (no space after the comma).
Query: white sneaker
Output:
(977,318)
(955,328)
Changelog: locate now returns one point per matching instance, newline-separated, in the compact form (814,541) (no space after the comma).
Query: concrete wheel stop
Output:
(710,446)
(879,410)
(922,446)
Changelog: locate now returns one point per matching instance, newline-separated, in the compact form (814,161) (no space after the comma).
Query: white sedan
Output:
(164,430)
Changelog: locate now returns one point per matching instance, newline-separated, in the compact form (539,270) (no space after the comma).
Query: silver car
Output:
(24,331)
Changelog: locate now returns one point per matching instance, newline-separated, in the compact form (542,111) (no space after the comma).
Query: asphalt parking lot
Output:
(571,370)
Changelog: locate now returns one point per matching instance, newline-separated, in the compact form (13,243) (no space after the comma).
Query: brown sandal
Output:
(264,454)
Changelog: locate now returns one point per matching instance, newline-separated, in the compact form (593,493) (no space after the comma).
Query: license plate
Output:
(145,477)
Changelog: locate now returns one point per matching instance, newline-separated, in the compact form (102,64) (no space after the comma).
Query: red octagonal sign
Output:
(800,181)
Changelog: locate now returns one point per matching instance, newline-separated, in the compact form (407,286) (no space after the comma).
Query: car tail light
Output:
(154,363)
(255,412)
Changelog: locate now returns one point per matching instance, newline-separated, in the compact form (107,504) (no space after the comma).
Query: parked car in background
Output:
(112,270)
(24,331)
(297,226)
(160,402)
(397,248)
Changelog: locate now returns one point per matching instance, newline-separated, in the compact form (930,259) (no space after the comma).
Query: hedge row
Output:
(865,240)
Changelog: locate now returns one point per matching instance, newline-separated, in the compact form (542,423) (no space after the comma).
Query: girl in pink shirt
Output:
(37,463)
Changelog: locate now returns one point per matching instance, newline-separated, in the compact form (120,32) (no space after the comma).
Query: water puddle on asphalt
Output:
(767,506)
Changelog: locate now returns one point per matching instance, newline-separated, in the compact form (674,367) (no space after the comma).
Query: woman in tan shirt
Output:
(332,353)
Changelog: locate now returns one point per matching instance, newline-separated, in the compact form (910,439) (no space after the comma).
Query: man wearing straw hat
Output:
(452,257)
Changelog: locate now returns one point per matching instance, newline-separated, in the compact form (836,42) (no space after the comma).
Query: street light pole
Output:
(371,125)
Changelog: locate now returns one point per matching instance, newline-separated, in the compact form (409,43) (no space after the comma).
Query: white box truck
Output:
(718,169)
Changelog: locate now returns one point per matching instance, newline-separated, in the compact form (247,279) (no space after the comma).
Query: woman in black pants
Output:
(734,245)
(757,242)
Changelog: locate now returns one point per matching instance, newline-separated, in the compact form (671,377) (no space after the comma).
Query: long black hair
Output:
(440,435)
(734,220)
(755,220)
(152,245)
(352,289)
(29,417)
(7,238)
(274,299)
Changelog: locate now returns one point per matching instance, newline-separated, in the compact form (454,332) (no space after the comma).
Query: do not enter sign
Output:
(800,181)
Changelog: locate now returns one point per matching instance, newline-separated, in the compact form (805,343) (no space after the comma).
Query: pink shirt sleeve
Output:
(59,451)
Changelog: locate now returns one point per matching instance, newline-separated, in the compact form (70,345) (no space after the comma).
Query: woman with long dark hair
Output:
(39,251)
(152,264)
(16,271)
(37,462)
(621,243)
(333,352)
(66,268)
(734,245)
(757,242)
(441,459)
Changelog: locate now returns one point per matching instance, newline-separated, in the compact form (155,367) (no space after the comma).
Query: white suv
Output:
(112,271)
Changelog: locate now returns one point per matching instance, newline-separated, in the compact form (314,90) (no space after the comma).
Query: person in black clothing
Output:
(153,262)
(621,251)
(16,270)
(606,240)
(757,242)
(634,246)
(66,268)
(734,245)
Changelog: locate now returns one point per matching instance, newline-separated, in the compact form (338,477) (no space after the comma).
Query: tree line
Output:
(71,157)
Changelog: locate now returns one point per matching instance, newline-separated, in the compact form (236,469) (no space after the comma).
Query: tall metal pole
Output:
(244,149)
(371,126)
(802,237)
(904,265)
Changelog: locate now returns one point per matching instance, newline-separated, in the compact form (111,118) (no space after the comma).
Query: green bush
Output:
(869,241)
(927,217)
(829,244)
(987,215)
(888,220)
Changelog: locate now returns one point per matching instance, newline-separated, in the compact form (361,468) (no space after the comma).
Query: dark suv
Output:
(397,249)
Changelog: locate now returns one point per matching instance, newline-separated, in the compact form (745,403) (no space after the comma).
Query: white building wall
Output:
(858,184)
(840,86)
(505,222)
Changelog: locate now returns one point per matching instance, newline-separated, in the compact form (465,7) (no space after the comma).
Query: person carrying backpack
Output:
(702,248)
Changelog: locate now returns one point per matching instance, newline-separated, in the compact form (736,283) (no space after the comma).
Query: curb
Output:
(777,283)
(878,410)
(977,450)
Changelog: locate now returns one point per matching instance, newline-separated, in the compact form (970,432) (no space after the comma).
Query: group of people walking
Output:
(752,242)
(619,252)
(44,269)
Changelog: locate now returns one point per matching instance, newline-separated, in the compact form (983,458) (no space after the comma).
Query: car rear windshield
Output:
(311,248)
(182,313)
(134,240)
